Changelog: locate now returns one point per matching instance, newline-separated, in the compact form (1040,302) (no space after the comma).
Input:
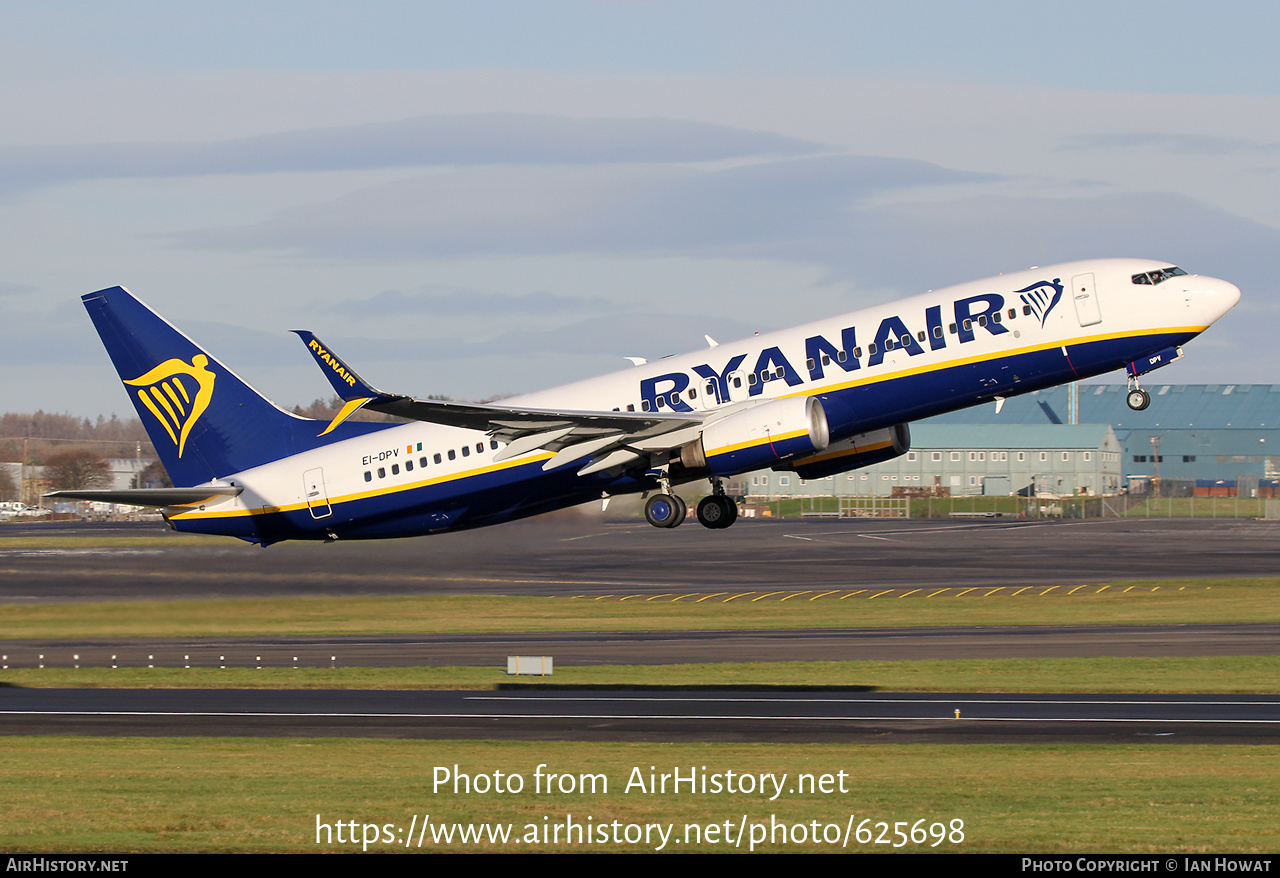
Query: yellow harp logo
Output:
(177,394)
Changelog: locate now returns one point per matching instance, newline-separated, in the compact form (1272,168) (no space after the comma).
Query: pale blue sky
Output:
(481,198)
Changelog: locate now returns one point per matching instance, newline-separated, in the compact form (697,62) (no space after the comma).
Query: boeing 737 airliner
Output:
(818,399)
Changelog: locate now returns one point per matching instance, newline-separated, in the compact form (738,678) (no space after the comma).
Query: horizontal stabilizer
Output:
(154,496)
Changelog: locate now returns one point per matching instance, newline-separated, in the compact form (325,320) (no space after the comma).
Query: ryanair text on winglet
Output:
(325,357)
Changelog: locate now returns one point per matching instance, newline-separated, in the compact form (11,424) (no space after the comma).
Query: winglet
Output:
(347,383)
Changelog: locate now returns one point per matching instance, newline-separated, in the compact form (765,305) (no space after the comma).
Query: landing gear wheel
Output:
(665,510)
(717,512)
(1138,399)
(712,513)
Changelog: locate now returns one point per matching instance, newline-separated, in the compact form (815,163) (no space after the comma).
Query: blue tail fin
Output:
(204,420)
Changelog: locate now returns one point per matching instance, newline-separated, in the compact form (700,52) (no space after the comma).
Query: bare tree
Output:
(76,470)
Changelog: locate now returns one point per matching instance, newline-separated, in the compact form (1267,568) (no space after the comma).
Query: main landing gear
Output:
(666,509)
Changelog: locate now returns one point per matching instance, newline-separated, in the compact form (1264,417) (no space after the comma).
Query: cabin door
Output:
(317,496)
(1085,295)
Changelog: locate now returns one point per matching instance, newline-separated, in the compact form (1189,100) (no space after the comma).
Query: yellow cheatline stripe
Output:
(378,492)
(794,595)
(939,591)
(913,591)
(765,595)
(823,595)
(752,443)
(966,591)
(710,596)
(1076,589)
(852,593)
(992,355)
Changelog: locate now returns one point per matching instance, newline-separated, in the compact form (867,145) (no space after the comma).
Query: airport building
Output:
(1202,438)
(969,459)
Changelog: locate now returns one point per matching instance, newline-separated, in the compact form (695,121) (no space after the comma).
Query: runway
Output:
(580,554)
(646,715)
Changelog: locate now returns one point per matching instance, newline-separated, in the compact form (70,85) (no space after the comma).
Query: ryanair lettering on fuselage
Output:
(771,364)
(331,361)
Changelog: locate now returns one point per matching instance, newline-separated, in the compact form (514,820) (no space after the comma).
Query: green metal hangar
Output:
(966,459)
(1219,438)
(1198,434)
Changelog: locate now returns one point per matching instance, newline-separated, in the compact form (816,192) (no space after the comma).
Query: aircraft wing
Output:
(618,439)
(154,496)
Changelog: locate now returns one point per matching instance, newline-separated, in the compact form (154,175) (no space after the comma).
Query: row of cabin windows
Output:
(438,457)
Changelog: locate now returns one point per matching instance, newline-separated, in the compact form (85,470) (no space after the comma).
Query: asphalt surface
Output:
(647,715)
(579,554)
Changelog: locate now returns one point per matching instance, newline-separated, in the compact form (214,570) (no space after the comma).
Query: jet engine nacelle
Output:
(852,453)
(758,437)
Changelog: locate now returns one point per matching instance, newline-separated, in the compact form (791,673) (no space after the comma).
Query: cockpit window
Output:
(1158,276)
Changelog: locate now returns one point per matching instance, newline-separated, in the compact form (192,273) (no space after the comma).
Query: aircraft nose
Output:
(1217,297)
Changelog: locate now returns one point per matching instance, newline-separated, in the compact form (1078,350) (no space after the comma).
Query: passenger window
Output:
(968,325)
(368,476)
(937,332)
(857,352)
(995,317)
(1026,310)
(779,372)
(466,451)
(479,448)
(953,329)
(1013,312)
(810,365)
(453,455)
(905,341)
(920,335)
(493,444)
(408,466)
(888,344)
(871,349)
(644,405)
(422,462)
(751,379)
(632,408)
(982,319)
(437,458)
(395,469)
(737,381)
(382,472)
(842,356)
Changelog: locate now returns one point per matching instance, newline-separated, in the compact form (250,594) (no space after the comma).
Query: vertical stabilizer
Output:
(204,420)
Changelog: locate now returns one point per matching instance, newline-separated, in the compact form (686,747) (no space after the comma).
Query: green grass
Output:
(210,794)
(1171,602)
(1225,674)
